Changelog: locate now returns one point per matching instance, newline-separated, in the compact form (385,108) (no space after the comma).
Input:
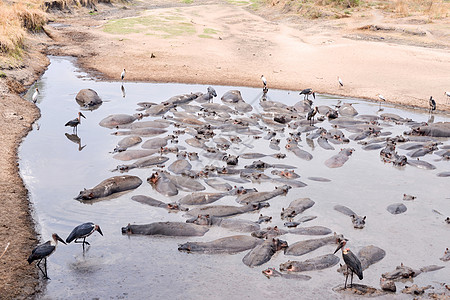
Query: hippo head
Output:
(279,244)
(288,266)
(358,222)
(201,220)
(154,178)
(269,272)
(184,247)
(127,229)
(280,155)
(85,195)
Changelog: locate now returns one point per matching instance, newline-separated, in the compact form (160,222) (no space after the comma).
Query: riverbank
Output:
(212,42)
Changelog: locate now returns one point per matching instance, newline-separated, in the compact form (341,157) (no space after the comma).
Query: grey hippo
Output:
(166,228)
(110,186)
(264,252)
(272,272)
(230,245)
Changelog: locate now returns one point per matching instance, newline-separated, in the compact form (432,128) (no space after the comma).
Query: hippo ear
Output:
(352,216)
(364,218)
(207,216)
(199,216)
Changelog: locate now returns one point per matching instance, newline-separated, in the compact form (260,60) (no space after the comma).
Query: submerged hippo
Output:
(110,186)
(271,272)
(296,207)
(269,232)
(396,208)
(143,163)
(263,196)
(263,252)
(368,256)
(404,272)
(441,129)
(339,159)
(230,245)
(358,221)
(233,224)
(303,247)
(166,228)
(316,263)
(88,98)
(156,203)
(226,211)
(112,121)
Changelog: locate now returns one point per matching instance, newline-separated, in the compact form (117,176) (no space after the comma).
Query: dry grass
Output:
(431,8)
(15,20)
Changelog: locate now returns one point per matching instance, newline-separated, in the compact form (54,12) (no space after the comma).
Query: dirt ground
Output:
(219,43)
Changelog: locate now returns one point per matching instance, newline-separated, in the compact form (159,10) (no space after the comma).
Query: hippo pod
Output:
(110,186)
(264,252)
(166,229)
(230,245)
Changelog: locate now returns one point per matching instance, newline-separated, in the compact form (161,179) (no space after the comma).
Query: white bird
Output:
(381,97)
(264,80)
(123,74)
(35,95)
(340,81)
(448,96)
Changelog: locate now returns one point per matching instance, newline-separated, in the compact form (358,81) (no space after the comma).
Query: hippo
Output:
(264,219)
(421,164)
(233,224)
(262,196)
(146,132)
(446,256)
(313,230)
(127,142)
(134,154)
(323,142)
(157,143)
(231,160)
(316,263)
(113,121)
(407,197)
(347,110)
(360,290)
(271,272)
(358,221)
(162,184)
(226,211)
(143,163)
(300,153)
(110,186)
(218,185)
(320,179)
(415,289)
(404,272)
(288,174)
(199,198)
(184,183)
(387,285)
(396,208)
(88,98)
(303,247)
(208,96)
(230,245)
(269,232)
(166,228)
(339,159)
(296,207)
(441,129)
(262,253)
(180,166)
(156,203)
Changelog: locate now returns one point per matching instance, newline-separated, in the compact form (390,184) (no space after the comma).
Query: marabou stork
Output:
(432,104)
(41,252)
(75,122)
(82,232)
(311,115)
(352,262)
(307,92)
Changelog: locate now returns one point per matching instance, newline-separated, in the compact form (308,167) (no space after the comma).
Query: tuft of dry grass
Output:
(15,20)
(432,8)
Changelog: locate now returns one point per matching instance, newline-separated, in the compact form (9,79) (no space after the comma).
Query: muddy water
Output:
(56,168)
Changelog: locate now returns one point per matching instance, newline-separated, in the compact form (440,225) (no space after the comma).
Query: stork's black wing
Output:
(80,231)
(41,251)
(353,263)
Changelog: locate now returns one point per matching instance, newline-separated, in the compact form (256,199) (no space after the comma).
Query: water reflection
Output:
(75,139)
(122,88)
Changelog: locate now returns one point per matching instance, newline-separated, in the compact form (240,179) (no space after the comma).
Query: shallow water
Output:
(136,267)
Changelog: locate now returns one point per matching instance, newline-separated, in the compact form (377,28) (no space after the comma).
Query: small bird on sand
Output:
(122,76)
(264,80)
(340,81)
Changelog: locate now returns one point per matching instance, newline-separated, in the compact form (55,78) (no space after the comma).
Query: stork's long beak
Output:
(99,230)
(314,95)
(81,114)
(60,239)
(339,247)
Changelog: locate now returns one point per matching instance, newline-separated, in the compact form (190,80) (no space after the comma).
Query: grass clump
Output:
(432,8)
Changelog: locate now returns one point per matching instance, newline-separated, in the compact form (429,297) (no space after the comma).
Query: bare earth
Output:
(212,42)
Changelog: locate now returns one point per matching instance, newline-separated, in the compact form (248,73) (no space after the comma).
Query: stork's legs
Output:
(83,242)
(346,277)
(45,267)
(351,280)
